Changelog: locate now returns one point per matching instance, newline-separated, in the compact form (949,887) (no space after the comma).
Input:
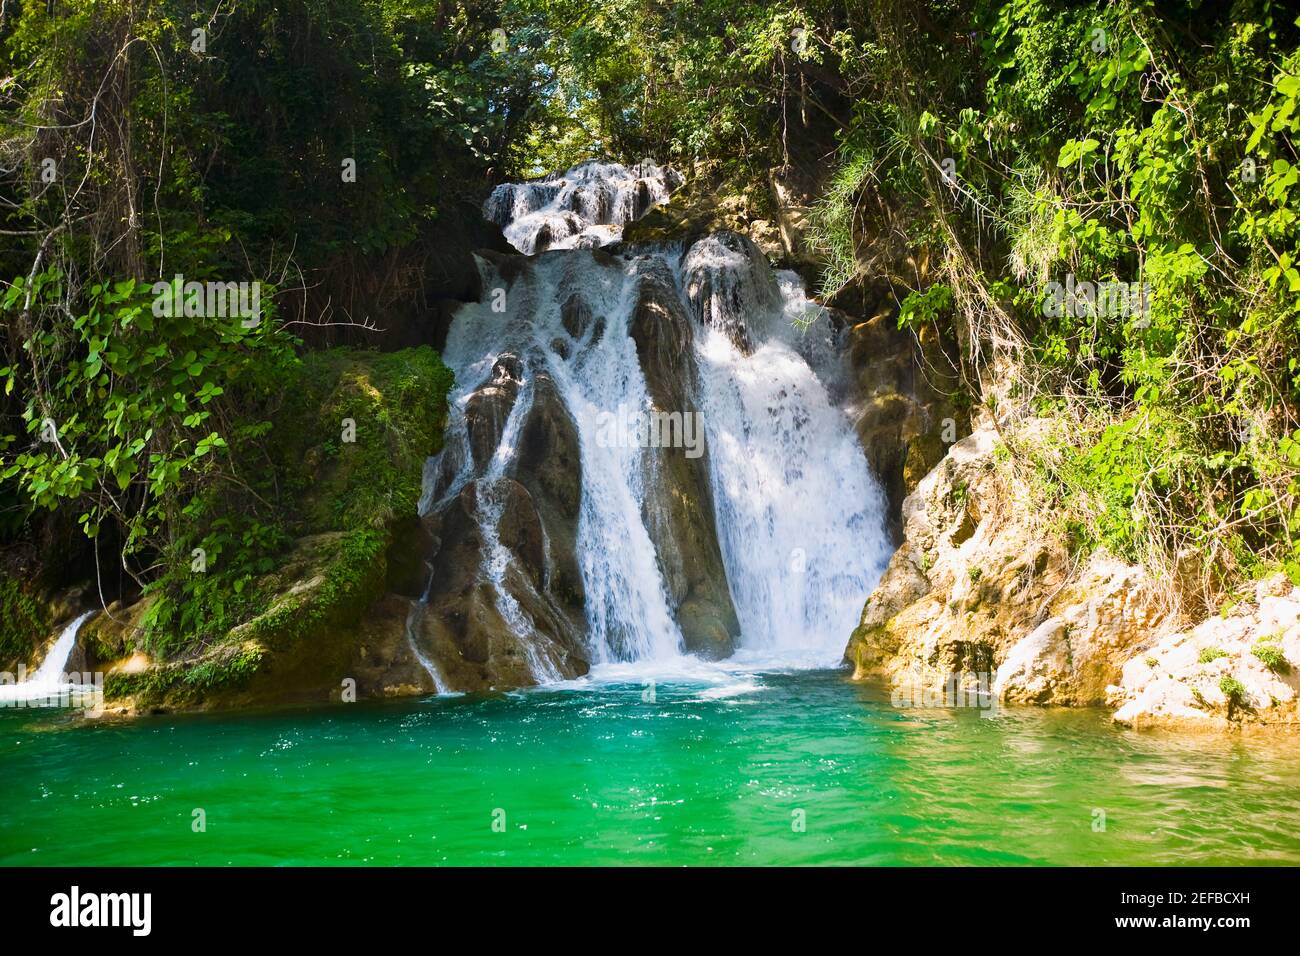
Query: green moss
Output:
(959,492)
(25,622)
(177,685)
(1210,654)
(352,569)
(393,408)
(149,688)
(225,670)
(362,425)
(310,572)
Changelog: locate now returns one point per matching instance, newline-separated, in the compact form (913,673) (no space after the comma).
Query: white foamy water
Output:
(627,612)
(50,679)
(800,519)
(581,208)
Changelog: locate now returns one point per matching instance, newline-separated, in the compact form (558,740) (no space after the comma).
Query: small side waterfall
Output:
(47,681)
(567,541)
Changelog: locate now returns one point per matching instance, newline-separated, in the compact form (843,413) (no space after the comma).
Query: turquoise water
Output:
(704,774)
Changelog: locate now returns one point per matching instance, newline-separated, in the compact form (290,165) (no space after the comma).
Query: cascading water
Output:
(581,208)
(800,517)
(48,679)
(618,571)
(594,368)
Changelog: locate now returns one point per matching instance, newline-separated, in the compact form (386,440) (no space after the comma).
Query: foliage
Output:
(1145,143)
(309,482)
(712,80)
(124,423)
(1271,656)
(1232,689)
(26,620)
(1001,145)
(146,140)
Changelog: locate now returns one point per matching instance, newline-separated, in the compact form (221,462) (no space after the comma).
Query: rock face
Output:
(907,414)
(328,628)
(977,594)
(678,507)
(505,599)
(794,190)
(726,279)
(1238,669)
(487,409)
(707,204)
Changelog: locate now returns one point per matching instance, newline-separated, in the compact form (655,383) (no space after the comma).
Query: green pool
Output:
(793,768)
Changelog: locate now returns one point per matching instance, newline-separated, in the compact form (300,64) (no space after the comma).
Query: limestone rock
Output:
(907,415)
(519,528)
(727,279)
(977,592)
(489,406)
(1228,671)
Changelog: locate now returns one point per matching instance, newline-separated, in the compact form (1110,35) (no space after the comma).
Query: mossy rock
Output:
(312,606)
(356,432)
(26,621)
(292,629)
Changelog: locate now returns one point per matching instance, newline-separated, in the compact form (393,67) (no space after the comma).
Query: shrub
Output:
(1271,656)
(1234,690)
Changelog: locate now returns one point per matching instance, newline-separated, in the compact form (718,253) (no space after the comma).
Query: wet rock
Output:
(575,315)
(489,406)
(678,506)
(553,230)
(585,206)
(408,557)
(476,635)
(384,664)
(726,279)
(520,529)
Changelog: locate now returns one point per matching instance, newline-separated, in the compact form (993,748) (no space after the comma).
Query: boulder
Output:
(678,505)
(1234,670)
(505,602)
(978,590)
(488,407)
(727,278)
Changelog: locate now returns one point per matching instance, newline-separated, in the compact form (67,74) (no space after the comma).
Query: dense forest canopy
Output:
(323,147)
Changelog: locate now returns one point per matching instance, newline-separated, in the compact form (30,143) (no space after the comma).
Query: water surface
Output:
(705,772)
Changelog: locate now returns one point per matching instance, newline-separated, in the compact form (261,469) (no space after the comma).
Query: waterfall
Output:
(581,208)
(763,550)
(800,516)
(594,367)
(48,679)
